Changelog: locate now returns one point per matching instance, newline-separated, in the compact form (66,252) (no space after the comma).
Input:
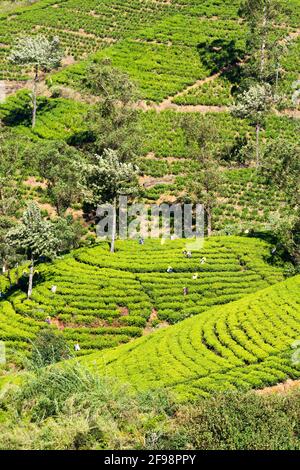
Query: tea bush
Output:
(242,345)
(104,299)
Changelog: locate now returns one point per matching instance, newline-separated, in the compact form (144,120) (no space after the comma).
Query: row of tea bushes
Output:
(103,299)
(242,345)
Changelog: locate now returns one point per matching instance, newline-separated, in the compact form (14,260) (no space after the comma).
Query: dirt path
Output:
(280,388)
(180,108)
(149,328)
(168,102)
(150,182)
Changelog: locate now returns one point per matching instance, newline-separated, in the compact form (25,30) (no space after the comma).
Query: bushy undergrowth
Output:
(238,421)
(70,408)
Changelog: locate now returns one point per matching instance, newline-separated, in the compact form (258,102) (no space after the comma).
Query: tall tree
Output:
(69,232)
(205,177)
(262,44)
(42,54)
(11,170)
(254,104)
(33,237)
(114,121)
(107,177)
(8,255)
(281,167)
(61,166)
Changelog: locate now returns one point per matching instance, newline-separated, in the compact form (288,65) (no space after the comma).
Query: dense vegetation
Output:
(103,300)
(49,412)
(176,102)
(245,344)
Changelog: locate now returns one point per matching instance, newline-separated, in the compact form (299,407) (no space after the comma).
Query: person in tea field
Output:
(203,260)
(195,276)
(170,270)
(77,347)
(185,291)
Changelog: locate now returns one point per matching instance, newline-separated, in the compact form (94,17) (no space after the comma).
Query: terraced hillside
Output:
(245,344)
(245,200)
(104,299)
(147,39)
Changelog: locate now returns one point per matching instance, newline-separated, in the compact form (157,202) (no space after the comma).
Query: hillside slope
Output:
(147,39)
(245,344)
(105,299)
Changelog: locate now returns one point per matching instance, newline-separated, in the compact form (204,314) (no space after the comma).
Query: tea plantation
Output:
(104,299)
(242,345)
(147,39)
(154,343)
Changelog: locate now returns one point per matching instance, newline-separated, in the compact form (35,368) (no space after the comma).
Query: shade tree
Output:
(108,177)
(114,119)
(61,167)
(205,178)
(35,238)
(254,104)
(41,54)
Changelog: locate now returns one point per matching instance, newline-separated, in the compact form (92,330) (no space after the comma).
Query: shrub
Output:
(49,347)
(237,421)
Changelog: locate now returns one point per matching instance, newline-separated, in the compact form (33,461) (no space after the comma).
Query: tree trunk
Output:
(6,271)
(277,79)
(114,227)
(34,96)
(9,277)
(257,145)
(209,221)
(30,283)
(263,44)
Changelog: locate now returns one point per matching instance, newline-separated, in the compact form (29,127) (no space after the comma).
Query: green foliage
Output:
(71,408)
(61,166)
(254,104)
(113,121)
(57,119)
(263,41)
(48,348)
(69,232)
(107,177)
(103,300)
(38,51)
(213,93)
(281,165)
(34,236)
(243,345)
(238,421)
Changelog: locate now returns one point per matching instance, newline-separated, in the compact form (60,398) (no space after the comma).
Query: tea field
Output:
(242,345)
(245,200)
(104,299)
(147,39)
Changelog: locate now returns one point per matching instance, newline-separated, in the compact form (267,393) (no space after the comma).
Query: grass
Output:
(71,408)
